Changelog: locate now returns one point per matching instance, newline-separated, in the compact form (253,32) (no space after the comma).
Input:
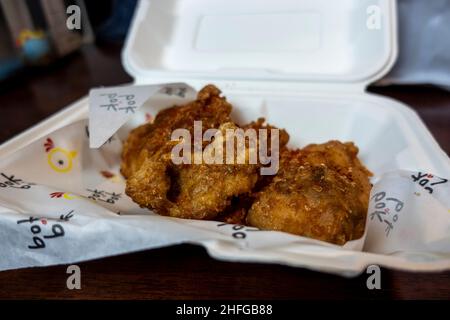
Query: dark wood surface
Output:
(185,272)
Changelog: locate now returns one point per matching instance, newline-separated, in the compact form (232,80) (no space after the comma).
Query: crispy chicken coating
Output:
(197,191)
(148,139)
(321,192)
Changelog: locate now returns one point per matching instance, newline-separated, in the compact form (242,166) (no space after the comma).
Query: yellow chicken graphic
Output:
(59,159)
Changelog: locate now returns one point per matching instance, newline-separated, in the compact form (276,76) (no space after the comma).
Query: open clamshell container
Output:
(304,66)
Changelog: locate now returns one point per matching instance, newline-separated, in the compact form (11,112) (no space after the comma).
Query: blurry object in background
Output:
(34,45)
(37,32)
(111,19)
(31,44)
(34,32)
(424,35)
(64,40)
(9,61)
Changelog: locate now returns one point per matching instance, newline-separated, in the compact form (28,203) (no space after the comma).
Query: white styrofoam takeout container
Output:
(304,65)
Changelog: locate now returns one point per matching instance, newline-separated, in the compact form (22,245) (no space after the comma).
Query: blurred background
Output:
(36,32)
(53,51)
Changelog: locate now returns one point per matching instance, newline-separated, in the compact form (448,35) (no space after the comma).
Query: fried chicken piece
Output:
(148,139)
(197,191)
(189,191)
(321,192)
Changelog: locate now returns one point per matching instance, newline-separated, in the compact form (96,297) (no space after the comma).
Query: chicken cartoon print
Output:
(59,159)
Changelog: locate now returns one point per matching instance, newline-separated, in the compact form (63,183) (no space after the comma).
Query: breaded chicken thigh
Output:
(196,191)
(321,192)
(148,139)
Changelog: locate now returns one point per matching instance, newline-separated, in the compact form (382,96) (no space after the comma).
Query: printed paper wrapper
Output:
(63,202)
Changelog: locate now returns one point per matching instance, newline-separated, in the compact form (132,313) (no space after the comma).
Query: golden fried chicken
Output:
(147,139)
(198,191)
(195,191)
(321,192)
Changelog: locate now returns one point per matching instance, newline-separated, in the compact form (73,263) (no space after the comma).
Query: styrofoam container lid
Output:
(351,41)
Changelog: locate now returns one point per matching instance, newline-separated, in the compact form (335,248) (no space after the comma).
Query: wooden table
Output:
(186,271)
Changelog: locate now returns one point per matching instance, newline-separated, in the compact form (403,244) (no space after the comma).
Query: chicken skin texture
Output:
(196,191)
(320,191)
(148,139)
